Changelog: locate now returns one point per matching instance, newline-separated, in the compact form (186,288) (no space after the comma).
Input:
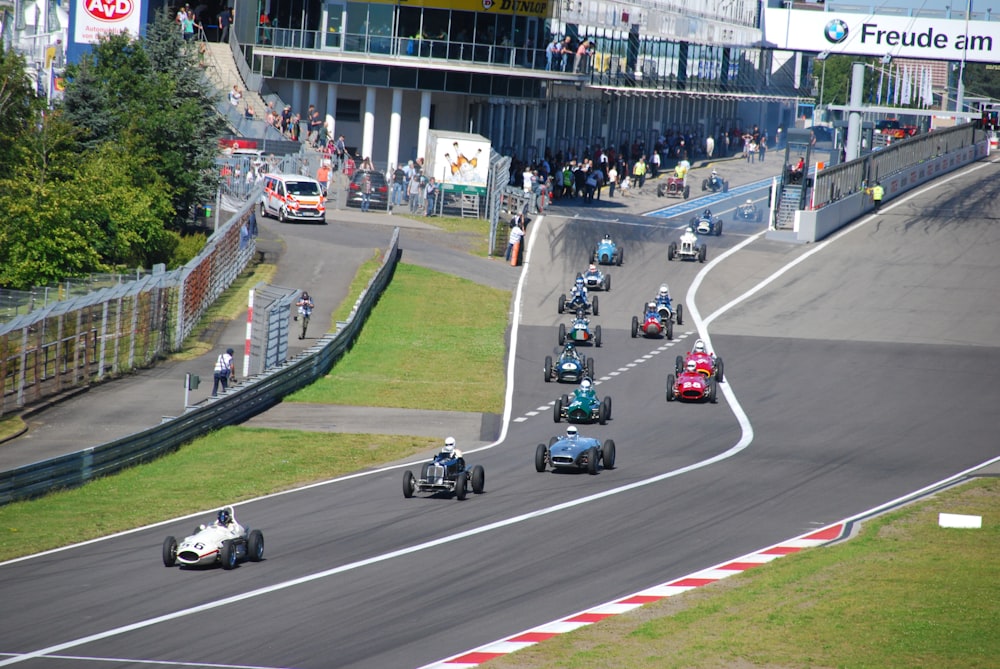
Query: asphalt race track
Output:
(864,371)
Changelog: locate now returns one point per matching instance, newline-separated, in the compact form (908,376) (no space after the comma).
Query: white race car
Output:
(689,248)
(224,541)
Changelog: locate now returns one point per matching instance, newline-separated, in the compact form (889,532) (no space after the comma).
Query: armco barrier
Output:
(252,397)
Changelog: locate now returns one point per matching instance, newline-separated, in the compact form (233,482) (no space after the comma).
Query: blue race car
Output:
(579,330)
(578,299)
(607,253)
(575,452)
(570,367)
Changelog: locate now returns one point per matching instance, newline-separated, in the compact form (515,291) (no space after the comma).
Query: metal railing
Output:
(254,396)
(833,183)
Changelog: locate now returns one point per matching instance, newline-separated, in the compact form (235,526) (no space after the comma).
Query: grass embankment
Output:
(905,593)
(446,323)
(434,341)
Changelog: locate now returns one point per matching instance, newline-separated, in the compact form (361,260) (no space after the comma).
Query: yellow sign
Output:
(539,8)
(50,55)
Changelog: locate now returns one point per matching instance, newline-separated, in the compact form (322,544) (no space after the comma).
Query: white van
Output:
(290,197)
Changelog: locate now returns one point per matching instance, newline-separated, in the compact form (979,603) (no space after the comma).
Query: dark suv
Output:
(380,190)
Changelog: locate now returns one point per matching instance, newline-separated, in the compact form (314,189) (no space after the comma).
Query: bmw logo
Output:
(835,31)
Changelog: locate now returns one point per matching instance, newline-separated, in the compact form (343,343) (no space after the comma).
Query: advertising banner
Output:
(99,17)
(881,35)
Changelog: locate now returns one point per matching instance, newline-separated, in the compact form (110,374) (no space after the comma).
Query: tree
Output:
(19,107)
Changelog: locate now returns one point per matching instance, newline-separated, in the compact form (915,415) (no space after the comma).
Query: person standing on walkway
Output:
(224,372)
(225,20)
(877,194)
(430,193)
(366,190)
(612,180)
(639,172)
(305,305)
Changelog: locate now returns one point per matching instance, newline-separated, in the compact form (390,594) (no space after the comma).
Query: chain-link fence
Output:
(71,343)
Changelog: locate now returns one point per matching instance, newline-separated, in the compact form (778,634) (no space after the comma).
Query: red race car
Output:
(691,386)
(652,324)
(706,363)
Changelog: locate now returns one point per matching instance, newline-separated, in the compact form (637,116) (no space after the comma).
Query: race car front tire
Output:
(548,366)
(597,337)
(541,455)
(670,387)
(592,460)
(680,314)
(478,479)
(461,485)
(719,374)
(595,306)
(635,326)
(169,552)
(228,555)
(409,484)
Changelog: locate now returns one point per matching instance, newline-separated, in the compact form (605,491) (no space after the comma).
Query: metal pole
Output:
(854,120)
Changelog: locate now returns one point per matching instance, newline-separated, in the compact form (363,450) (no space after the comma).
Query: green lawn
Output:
(905,593)
(435,341)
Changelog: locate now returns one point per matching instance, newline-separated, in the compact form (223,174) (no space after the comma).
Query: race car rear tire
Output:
(669,329)
(597,336)
(702,253)
(562,303)
(704,184)
(607,282)
(607,401)
(541,456)
(228,555)
(602,414)
(461,485)
(557,410)
(687,192)
(548,367)
(594,306)
(592,460)
(590,367)
(635,326)
(608,454)
(719,374)
(478,479)
(169,552)
(718,229)
(678,364)
(255,546)
(680,314)
(562,334)
(714,399)
(672,251)
(621,257)
(409,484)
(670,387)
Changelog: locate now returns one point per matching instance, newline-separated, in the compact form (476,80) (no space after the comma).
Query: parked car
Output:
(379,198)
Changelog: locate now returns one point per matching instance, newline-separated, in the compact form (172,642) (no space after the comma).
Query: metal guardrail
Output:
(252,397)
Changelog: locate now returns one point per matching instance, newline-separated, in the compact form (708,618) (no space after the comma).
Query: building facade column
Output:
(368,131)
(425,123)
(394,119)
(330,115)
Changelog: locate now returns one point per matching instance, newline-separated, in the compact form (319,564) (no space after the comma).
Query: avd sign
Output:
(880,35)
(99,17)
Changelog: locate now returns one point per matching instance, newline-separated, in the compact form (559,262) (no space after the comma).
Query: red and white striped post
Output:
(246,349)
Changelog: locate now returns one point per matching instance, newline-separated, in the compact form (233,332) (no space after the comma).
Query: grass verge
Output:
(190,480)
(365,273)
(470,234)
(448,358)
(904,593)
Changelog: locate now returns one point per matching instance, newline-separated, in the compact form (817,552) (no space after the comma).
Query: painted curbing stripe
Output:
(601,612)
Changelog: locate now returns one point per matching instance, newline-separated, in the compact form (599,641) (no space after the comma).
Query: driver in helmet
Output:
(663,296)
(226,518)
(651,311)
(569,351)
(592,271)
(448,451)
(607,236)
(699,347)
(586,390)
(689,236)
(749,203)
(579,291)
(572,432)
(691,367)
(707,213)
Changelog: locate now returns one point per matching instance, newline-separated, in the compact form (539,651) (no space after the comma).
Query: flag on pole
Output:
(881,77)
(899,86)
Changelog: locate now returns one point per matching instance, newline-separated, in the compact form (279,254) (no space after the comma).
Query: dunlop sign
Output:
(882,35)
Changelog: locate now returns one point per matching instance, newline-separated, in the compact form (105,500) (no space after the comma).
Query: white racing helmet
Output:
(571,431)
(691,366)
